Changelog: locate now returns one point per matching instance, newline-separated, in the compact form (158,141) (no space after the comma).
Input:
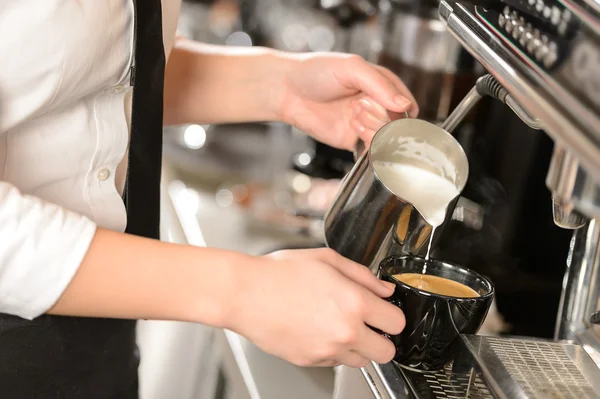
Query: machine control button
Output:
(518,33)
(535,42)
(547,12)
(519,28)
(509,25)
(562,28)
(542,50)
(555,19)
(551,55)
(506,10)
(526,36)
(501,20)
(539,5)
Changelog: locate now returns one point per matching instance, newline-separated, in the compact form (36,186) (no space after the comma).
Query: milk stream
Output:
(428,192)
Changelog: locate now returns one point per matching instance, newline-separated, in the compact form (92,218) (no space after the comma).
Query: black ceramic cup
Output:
(434,322)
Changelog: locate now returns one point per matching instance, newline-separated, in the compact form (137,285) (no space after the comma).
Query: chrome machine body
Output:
(546,55)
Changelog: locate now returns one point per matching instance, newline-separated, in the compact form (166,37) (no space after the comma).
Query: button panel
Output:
(564,50)
(550,13)
(538,45)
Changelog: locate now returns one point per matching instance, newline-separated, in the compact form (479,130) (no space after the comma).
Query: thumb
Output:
(359,274)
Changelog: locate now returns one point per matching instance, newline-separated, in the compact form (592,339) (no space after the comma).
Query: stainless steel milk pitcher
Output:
(367,221)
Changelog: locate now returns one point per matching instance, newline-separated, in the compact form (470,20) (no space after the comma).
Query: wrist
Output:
(234,270)
(281,66)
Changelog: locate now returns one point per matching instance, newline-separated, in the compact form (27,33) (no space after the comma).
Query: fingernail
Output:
(402,101)
(358,126)
(388,285)
(365,104)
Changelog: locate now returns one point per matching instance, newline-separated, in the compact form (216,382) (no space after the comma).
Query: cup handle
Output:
(396,301)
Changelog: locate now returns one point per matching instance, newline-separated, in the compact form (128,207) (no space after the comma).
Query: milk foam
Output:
(429,193)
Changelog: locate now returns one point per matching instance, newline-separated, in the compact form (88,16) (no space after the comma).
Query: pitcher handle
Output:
(360,145)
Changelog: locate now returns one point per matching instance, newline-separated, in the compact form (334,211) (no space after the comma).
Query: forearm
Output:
(218,84)
(124,276)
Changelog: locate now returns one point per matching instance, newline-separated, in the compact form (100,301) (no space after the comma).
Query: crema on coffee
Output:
(436,285)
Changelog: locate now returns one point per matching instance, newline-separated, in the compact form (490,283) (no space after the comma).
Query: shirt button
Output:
(103,174)
(118,89)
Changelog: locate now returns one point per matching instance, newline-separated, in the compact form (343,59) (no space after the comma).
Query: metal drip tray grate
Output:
(491,367)
(543,370)
(448,385)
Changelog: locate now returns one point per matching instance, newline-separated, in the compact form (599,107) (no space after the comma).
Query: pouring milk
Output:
(428,192)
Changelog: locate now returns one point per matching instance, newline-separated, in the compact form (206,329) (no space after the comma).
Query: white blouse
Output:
(65,107)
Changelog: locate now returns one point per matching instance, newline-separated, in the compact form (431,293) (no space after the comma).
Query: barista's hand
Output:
(312,307)
(338,98)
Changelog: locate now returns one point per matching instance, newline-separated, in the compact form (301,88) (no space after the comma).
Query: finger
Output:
(370,121)
(375,347)
(353,359)
(364,77)
(327,363)
(399,84)
(364,134)
(367,105)
(357,273)
(359,129)
(366,126)
(383,315)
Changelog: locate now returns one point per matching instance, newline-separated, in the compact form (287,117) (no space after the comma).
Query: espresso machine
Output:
(543,61)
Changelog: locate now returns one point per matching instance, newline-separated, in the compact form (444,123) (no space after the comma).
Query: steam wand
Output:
(487,85)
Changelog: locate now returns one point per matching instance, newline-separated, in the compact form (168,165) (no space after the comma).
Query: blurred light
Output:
(301,183)
(295,36)
(186,203)
(194,136)
(239,39)
(376,46)
(189,200)
(304,159)
(321,38)
(224,198)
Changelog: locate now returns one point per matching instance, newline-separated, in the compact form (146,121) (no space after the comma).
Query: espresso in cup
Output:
(436,285)
(440,302)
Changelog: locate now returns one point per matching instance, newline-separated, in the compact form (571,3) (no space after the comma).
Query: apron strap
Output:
(142,188)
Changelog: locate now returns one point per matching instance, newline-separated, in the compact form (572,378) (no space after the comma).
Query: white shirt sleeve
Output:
(41,248)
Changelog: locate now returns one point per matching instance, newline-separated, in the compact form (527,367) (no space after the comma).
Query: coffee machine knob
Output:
(542,50)
(519,28)
(526,36)
(501,20)
(551,55)
(535,42)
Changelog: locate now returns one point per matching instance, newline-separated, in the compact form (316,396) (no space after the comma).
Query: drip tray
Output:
(492,367)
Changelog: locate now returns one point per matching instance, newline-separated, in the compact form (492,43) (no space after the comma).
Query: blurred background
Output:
(257,188)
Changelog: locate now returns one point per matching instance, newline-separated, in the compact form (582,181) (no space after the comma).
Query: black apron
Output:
(55,357)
